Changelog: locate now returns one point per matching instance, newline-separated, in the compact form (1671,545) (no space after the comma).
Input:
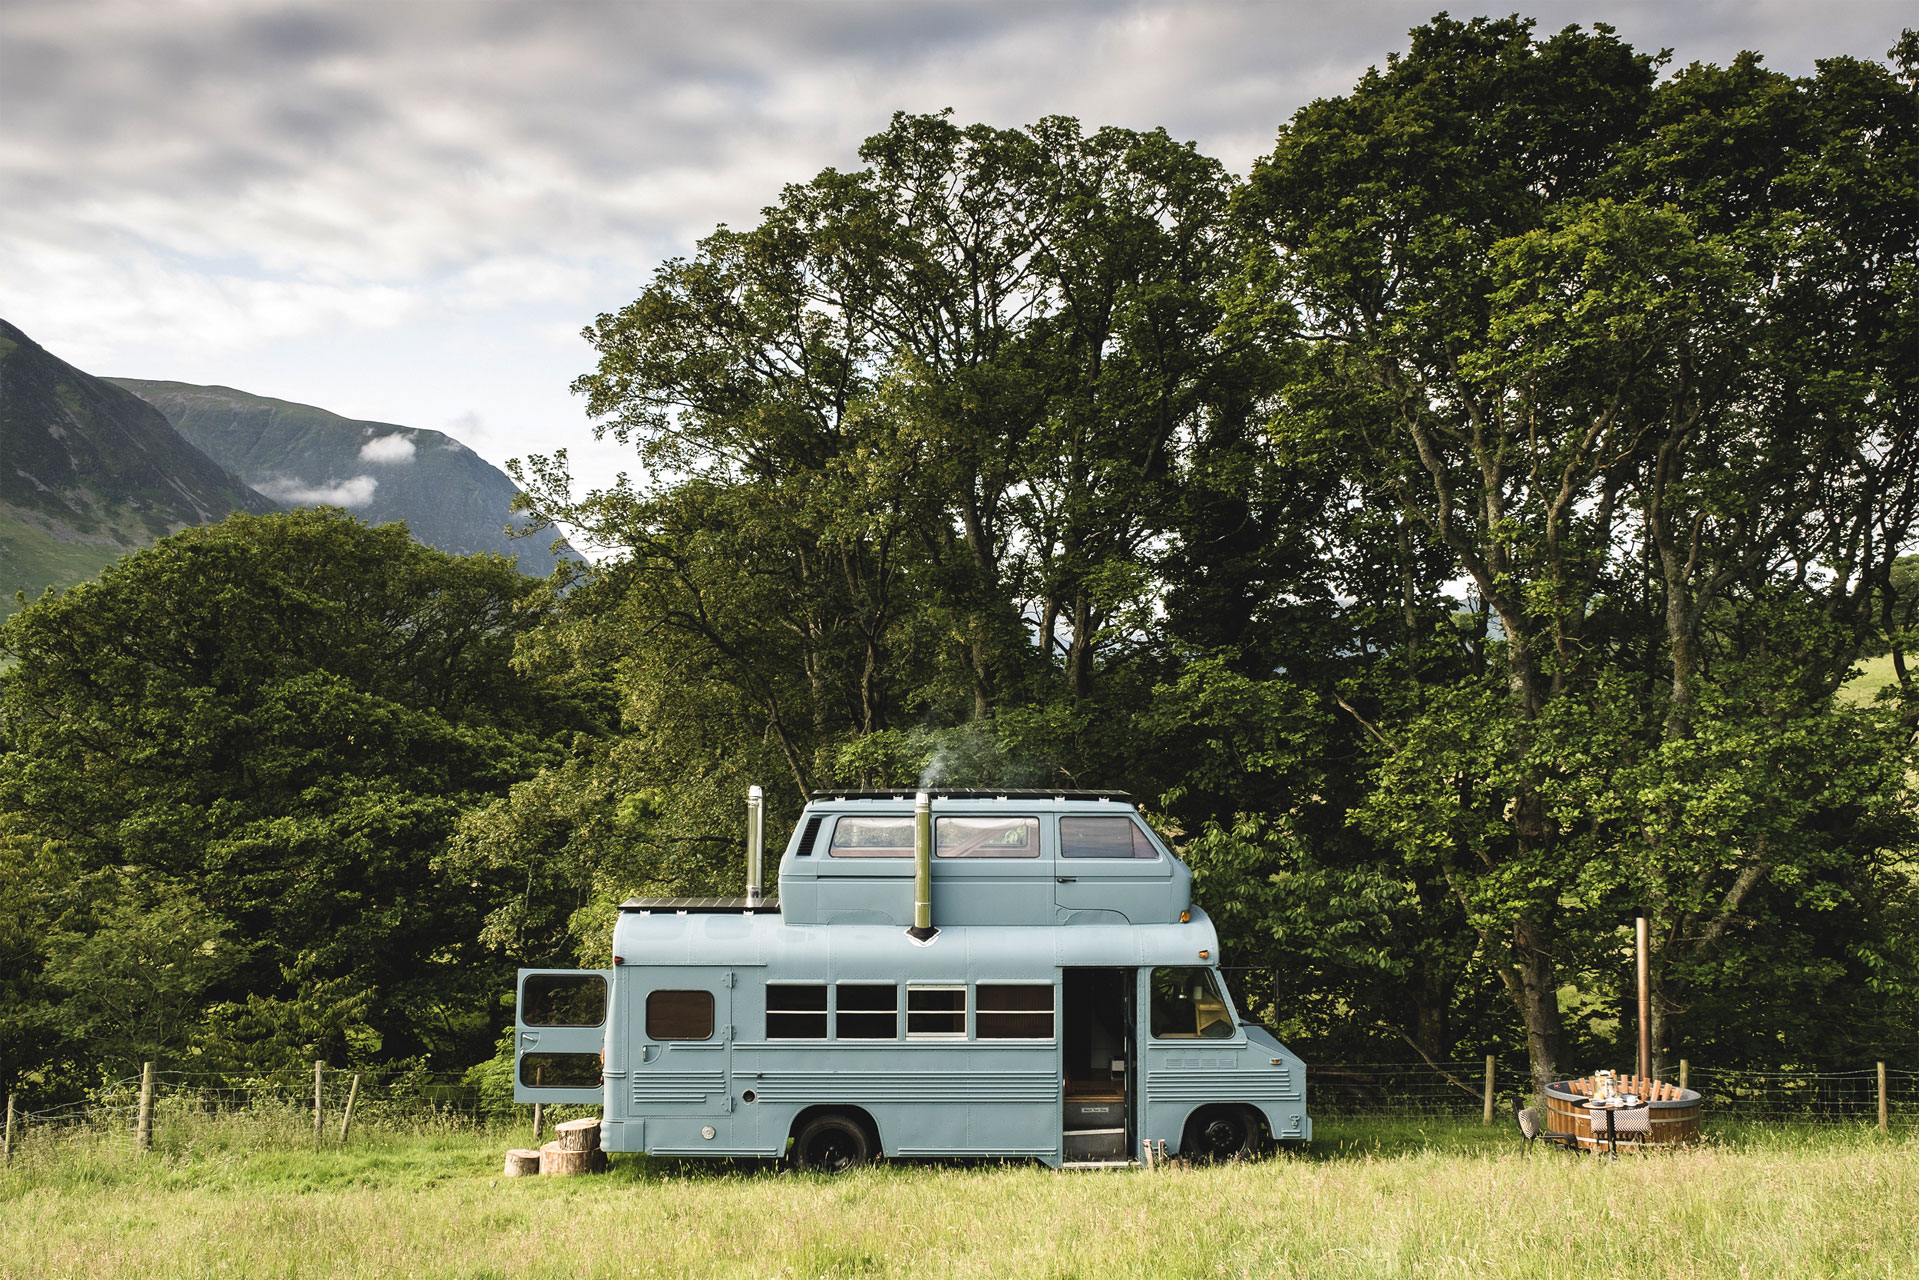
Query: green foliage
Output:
(251,743)
(1455,534)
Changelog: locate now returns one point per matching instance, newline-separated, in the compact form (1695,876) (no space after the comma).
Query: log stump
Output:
(522,1163)
(578,1135)
(564,1164)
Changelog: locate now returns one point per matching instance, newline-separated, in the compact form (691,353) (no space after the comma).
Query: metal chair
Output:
(1530,1128)
(1630,1122)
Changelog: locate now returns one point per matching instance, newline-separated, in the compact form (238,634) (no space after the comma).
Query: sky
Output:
(407,210)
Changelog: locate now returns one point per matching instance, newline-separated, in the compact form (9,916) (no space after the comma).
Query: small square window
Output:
(679,1015)
(563,1000)
(1013,1011)
(797,1011)
(867,1011)
(936,1013)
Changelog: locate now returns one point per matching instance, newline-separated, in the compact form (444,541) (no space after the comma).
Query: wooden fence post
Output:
(539,1108)
(8,1159)
(1486,1111)
(319,1066)
(353,1092)
(1880,1074)
(143,1118)
(1683,1073)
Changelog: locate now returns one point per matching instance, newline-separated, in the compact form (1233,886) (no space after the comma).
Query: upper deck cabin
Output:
(1003,857)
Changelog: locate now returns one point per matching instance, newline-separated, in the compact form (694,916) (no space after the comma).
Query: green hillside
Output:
(449,496)
(92,472)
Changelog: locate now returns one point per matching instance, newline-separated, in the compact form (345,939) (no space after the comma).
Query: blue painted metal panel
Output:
(842,921)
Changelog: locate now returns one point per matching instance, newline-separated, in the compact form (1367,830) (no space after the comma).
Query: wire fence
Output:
(393,1099)
(371,1098)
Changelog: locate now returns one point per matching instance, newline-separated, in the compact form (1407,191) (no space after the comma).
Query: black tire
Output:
(1221,1133)
(831,1144)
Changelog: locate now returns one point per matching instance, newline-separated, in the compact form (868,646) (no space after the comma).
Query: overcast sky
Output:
(407,211)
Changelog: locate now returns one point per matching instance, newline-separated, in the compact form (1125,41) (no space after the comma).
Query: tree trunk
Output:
(1539,1000)
(564,1164)
(1432,1029)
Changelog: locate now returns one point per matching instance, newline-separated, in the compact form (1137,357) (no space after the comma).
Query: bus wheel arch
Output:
(1223,1131)
(833,1139)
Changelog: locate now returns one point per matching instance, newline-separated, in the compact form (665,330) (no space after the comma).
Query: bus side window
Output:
(1104,838)
(867,1011)
(871,838)
(1013,1011)
(564,1000)
(679,1015)
(987,837)
(936,1013)
(1187,1005)
(796,1011)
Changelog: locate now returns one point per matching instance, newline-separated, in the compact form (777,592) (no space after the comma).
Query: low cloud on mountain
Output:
(351,493)
(388,449)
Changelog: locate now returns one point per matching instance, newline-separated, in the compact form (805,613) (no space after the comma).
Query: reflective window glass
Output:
(560,1070)
(1104,838)
(797,1011)
(872,838)
(1187,1004)
(563,1000)
(936,1012)
(867,1011)
(679,1015)
(987,837)
(1013,1011)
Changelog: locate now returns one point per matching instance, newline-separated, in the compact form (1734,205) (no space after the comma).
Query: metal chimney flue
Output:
(756,844)
(922,931)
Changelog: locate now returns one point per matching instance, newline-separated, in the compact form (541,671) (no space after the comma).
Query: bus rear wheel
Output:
(1222,1133)
(831,1144)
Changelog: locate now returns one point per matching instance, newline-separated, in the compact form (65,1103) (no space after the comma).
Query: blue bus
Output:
(951,974)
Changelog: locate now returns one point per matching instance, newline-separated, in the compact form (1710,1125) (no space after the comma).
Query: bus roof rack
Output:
(706,906)
(976,793)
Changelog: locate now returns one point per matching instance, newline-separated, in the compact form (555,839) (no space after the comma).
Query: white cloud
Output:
(257,186)
(388,448)
(356,492)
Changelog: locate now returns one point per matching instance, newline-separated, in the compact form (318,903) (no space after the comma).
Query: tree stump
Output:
(578,1135)
(522,1163)
(564,1164)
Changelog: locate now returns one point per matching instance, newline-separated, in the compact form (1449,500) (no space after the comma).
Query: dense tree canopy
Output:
(245,748)
(1461,535)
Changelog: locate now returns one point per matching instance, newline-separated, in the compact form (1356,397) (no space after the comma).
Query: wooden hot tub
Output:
(1675,1112)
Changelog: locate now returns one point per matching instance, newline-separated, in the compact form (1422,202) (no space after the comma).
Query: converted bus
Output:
(948,973)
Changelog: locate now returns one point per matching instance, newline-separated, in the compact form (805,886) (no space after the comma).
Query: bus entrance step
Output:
(1101,1164)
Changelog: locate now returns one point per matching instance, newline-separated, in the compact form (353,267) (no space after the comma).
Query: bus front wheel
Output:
(1221,1133)
(831,1144)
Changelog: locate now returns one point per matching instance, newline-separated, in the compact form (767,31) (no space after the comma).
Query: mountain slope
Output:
(450,497)
(89,471)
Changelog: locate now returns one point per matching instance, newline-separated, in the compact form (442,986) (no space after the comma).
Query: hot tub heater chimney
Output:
(922,931)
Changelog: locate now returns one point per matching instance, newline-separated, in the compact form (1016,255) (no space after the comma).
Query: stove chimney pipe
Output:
(756,844)
(922,931)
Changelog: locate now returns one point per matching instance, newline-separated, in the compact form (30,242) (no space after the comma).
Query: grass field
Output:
(1441,1199)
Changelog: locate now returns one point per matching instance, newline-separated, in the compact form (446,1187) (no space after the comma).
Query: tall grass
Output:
(250,1196)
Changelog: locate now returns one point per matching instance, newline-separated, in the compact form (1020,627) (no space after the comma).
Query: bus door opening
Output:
(1097,1066)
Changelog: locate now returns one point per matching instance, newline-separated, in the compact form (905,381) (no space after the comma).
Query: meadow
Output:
(245,1197)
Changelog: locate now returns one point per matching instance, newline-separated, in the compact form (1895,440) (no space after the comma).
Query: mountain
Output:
(450,497)
(89,471)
